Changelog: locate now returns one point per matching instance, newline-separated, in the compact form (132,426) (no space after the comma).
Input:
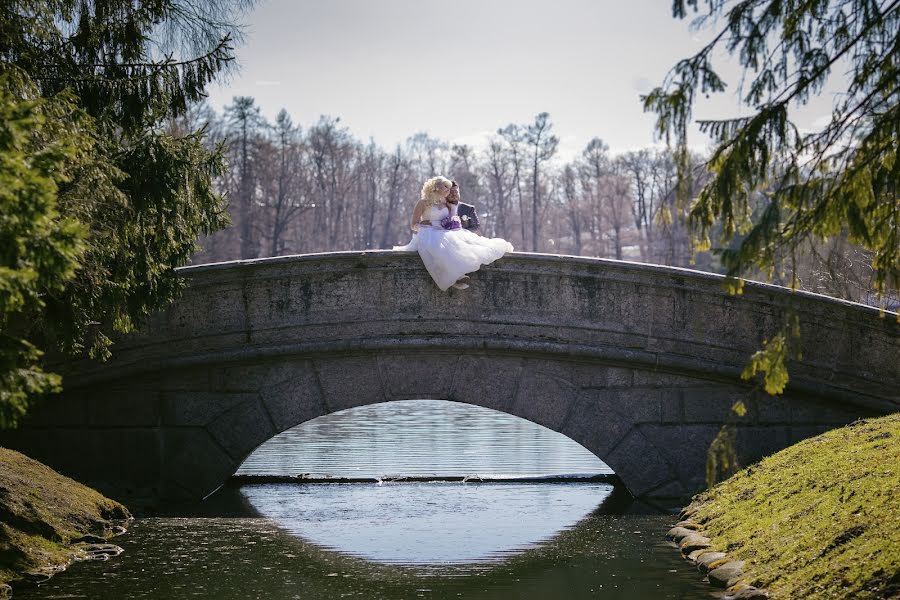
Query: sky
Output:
(461,69)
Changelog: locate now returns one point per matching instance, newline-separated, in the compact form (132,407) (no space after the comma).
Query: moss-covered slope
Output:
(820,519)
(42,514)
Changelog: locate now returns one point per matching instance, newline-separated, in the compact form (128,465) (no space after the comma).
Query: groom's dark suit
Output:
(468,216)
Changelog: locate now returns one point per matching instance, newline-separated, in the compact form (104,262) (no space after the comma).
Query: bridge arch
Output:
(640,364)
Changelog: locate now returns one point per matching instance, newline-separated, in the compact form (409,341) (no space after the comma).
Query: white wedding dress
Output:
(449,254)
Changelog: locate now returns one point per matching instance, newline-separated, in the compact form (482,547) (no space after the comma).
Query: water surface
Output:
(420,437)
(395,541)
(250,558)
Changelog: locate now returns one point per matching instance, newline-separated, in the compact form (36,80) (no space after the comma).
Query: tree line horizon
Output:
(291,189)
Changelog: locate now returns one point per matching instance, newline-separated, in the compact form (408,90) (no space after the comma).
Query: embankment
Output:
(820,519)
(48,520)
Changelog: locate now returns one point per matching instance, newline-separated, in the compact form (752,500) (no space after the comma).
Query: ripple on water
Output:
(420,438)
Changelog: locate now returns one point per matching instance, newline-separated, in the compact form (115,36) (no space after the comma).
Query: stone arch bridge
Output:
(638,363)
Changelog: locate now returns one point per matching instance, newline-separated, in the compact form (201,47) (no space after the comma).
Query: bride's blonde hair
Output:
(435,189)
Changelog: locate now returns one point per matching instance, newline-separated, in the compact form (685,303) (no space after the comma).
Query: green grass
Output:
(820,519)
(43,512)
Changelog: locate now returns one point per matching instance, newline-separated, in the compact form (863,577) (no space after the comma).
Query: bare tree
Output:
(515,137)
(499,182)
(245,123)
(594,165)
(332,152)
(283,198)
(543,148)
(398,177)
(615,195)
(573,204)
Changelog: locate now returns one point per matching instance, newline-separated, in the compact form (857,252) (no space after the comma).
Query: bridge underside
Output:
(180,436)
(638,363)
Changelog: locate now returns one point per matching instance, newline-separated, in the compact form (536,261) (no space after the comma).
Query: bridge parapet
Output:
(658,317)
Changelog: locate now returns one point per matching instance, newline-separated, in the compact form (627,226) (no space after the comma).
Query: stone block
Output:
(66,409)
(140,454)
(62,449)
(594,423)
(714,404)
(488,381)
(203,311)
(423,375)
(251,376)
(757,442)
(661,379)
(582,374)
(182,409)
(639,464)
(295,398)
(192,379)
(103,453)
(672,490)
(242,428)
(820,413)
(772,410)
(194,465)
(345,383)
(685,447)
(123,407)
(872,352)
(544,399)
(643,405)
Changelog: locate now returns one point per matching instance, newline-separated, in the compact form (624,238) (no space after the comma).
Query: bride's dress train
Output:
(449,254)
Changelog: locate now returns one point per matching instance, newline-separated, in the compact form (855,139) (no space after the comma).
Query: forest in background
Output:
(294,190)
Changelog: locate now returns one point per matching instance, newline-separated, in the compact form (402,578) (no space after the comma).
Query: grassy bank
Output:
(820,519)
(47,519)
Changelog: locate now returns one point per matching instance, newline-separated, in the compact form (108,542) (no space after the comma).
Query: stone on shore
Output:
(706,560)
(726,575)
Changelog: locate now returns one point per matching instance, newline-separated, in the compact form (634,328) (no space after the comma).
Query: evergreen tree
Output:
(89,240)
(841,179)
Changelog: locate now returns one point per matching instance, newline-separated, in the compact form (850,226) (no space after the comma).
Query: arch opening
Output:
(506,496)
(421,439)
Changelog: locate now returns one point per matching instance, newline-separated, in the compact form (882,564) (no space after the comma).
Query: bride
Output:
(448,251)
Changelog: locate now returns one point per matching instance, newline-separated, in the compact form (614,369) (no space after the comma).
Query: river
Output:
(501,540)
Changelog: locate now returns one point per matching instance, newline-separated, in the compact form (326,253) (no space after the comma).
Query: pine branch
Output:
(219,53)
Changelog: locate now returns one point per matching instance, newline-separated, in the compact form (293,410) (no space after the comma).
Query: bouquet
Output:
(449,222)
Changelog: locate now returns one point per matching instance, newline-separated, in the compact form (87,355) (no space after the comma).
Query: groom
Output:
(466,212)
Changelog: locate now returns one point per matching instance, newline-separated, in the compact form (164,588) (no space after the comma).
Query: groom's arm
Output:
(470,221)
